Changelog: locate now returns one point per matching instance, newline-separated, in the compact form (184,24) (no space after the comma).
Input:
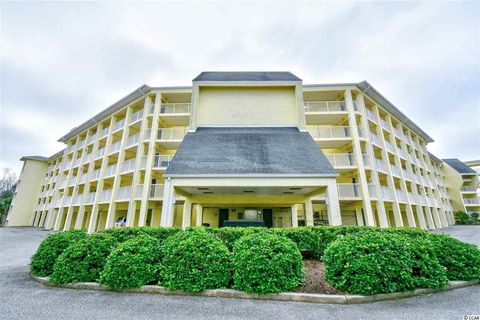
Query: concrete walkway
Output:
(23,298)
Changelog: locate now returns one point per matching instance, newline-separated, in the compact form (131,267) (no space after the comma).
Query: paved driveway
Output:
(23,298)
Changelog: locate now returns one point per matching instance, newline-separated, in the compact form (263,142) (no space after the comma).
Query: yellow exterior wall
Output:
(453,181)
(227,106)
(27,190)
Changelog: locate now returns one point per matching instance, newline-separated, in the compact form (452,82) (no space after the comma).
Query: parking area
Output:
(23,298)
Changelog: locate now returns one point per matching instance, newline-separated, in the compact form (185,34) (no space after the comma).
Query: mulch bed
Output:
(315,281)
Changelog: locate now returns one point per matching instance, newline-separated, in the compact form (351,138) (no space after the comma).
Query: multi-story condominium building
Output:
(475,165)
(468,198)
(240,148)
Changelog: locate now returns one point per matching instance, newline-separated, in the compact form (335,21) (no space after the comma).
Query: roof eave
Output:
(134,95)
(369,90)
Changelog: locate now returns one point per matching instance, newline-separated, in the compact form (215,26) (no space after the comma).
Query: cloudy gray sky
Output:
(61,63)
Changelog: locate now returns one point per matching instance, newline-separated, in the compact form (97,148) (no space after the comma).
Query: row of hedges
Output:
(358,260)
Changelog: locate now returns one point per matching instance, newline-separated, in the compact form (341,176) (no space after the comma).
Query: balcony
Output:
(170,138)
(397,133)
(471,201)
(375,140)
(124,193)
(95,174)
(371,115)
(407,175)
(92,139)
(401,153)
(324,112)
(395,171)
(77,200)
(105,196)
(82,178)
(110,171)
(76,162)
(381,166)
(384,124)
(389,147)
(114,147)
(118,125)
(133,140)
(100,153)
(386,193)
(161,161)
(128,165)
(348,190)
(330,136)
(468,189)
(156,191)
(87,158)
(412,198)
(104,132)
(175,114)
(372,190)
(400,195)
(91,197)
(134,117)
(62,184)
(342,160)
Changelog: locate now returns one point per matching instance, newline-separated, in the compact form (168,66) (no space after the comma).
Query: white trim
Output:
(254,175)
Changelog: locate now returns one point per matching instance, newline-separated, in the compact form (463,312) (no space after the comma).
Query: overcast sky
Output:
(61,63)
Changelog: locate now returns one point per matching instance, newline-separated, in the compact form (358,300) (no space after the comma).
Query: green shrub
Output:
(126,233)
(461,260)
(195,261)
(51,248)
(84,260)
(267,263)
(381,262)
(132,264)
(462,217)
(407,231)
(230,235)
(307,241)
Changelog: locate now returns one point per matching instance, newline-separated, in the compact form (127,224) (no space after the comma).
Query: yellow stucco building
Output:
(241,148)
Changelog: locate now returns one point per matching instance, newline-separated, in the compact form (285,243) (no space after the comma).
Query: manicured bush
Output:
(51,248)
(195,261)
(126,233)
(84,260)
(230,235)
(133,263)
(381,262)
(307,241)
(461,260)
(462,217)
(267,263)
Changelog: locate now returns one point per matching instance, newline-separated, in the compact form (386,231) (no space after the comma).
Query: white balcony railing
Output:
(372,190)
(92,138)
(136,116)
(386,193)
(124,193)
(329,132)
(95,174)
(402,153)
(119,125)
(173,108)
(381,166)
(114,147)
(471,201)
(341,159)
(105,196)
(100,153)
(385,125)
(397,132)
(400,195)
(348,190)
(133,140)
(104,132)
(110,170)
(91,197)
(128,165)
(375,139)
(395,170)
(412,197)
(468,189)
(389,146)
(162,161)
(168,134)
(87,158)
(156,191)
(62,184)
(324,106)
(371,115)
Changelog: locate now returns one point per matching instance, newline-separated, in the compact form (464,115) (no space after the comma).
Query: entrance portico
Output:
(244,194)
(248,168)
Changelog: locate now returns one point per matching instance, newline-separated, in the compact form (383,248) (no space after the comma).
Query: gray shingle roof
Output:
(247,76)
(249,151)
(459,166)
(37,158)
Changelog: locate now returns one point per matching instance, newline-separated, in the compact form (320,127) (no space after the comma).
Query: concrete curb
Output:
(284,296)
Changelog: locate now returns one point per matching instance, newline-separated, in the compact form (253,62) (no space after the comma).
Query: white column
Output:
(116,180)
(294,215)
(149,162)
(168,204)
(358,155)
(199,213)
(132,205)
(187,213)
(92,224)
(309,212)
(333,204)
(359,216)
(382,215)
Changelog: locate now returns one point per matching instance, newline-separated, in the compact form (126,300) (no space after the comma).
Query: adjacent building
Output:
(241,148)
(468,198)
